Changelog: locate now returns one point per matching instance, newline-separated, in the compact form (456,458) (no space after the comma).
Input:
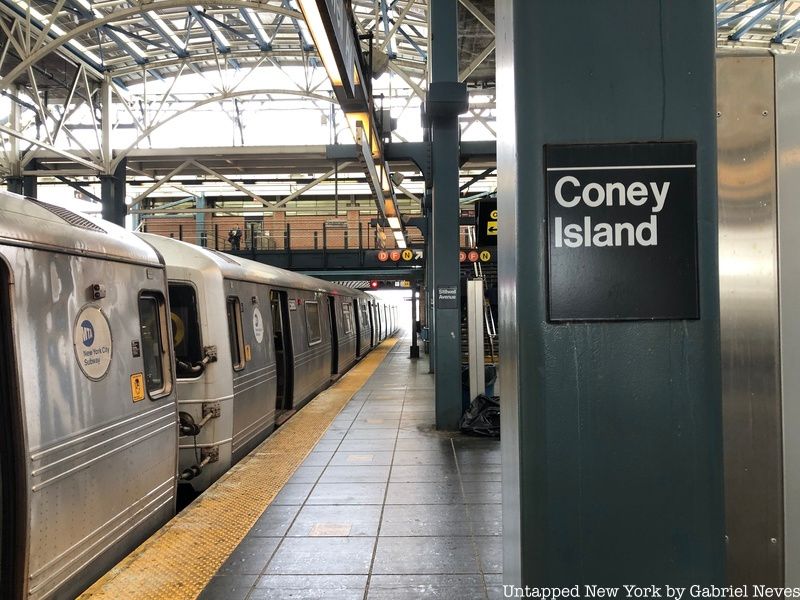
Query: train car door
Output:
(334,336)
(12,459)
(357,318)
(284,359)
(372,325)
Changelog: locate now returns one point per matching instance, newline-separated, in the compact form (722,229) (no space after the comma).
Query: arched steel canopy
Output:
(132,41)
(759,23)
(55,53)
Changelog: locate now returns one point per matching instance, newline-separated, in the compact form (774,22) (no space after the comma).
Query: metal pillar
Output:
(200,220)
(612,442)
(14,185)
(112,194)
(430,317)
(30,182)
(414,352)
(446,99)
(14,180)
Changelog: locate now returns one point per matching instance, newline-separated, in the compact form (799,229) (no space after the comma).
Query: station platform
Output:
(379,506)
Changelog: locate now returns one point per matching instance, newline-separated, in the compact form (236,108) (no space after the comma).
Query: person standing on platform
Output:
(235,237)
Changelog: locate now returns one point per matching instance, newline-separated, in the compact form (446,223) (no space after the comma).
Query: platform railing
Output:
(256,238)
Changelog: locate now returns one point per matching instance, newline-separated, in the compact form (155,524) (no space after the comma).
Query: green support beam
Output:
(612,440)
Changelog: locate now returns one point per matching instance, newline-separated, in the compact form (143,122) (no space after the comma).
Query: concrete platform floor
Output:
(384,507)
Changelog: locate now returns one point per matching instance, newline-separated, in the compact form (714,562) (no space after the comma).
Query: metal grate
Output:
(70,217)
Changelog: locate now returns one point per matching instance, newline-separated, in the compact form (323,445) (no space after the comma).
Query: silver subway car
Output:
(253,344)
(131,363)
(88,430)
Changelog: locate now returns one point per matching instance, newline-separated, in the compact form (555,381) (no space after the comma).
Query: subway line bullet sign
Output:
(622,231)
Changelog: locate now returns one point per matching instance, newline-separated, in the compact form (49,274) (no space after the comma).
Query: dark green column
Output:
(14,184)
(30,183)
(446,99)
(612,450)
(112,194)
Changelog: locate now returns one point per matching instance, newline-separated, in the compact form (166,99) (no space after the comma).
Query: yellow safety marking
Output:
(178,562)
(137,386)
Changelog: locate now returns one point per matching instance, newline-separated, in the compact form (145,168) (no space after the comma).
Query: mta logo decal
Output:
(88,333)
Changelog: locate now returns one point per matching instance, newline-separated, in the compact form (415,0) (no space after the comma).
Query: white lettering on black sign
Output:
(447,296)
(622,231)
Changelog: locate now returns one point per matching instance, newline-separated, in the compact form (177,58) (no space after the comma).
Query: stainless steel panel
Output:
(216,382)
(312,364)
(33,224)
(749,319)
(347,341)
(787,80)
(101,467)
(364,326)
(254,387)
(477,374)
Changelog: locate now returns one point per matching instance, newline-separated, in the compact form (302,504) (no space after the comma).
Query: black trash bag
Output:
(482,417)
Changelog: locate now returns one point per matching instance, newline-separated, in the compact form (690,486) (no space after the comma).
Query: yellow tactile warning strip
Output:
(179,560)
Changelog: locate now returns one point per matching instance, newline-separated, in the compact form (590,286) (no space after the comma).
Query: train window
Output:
(347,318)
(155,345)
(364,314)
(235,334)
(185,329)
(313,325)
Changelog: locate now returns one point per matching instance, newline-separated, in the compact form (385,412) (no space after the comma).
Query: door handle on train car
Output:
(194,369)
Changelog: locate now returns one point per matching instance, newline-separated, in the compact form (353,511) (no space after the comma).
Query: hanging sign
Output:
(622,231)
(486,226)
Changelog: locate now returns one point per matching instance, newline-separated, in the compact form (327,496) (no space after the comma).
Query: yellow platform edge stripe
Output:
(179,560)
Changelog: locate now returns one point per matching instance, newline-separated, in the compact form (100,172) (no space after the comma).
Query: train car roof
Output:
(183,254)
(29,222)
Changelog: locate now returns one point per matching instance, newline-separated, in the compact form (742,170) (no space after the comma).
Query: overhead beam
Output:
(476,12)
(308,186)
(138,199)
(120,14)
(45,145)
(476,62)
(384,273)
(231,183)
(331,25)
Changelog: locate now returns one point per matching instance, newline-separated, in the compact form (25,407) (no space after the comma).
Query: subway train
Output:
(132,364)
